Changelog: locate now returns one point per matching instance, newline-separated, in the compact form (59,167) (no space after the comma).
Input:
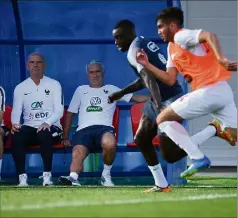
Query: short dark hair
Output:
(171,14)
(125,24)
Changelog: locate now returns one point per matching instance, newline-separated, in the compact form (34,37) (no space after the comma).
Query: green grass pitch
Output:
(201,197)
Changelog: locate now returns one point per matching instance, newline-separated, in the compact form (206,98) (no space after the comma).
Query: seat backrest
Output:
(136,113)
(7,116)
(115,121)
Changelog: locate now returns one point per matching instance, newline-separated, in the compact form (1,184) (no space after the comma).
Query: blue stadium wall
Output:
(70,34)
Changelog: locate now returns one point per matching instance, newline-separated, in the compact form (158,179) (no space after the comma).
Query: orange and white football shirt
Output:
(196,62)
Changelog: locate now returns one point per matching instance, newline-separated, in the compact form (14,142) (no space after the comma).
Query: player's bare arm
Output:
(151,84)
(213,41)
(140,98)
(168,77)
(67,128)
(133,87)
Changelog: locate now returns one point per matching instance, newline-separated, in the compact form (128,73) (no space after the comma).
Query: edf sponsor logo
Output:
(41,115)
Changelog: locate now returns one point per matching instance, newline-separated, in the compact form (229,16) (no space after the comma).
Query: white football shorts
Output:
(216,99)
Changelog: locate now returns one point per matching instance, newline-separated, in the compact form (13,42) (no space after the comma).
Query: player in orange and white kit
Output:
(197,55)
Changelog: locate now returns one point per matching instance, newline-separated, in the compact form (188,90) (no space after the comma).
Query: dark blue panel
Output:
(66,63)
(85,19)
(9,70)
(7,22)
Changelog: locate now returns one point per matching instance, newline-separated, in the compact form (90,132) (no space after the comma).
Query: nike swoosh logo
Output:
(85,93)
(27,93)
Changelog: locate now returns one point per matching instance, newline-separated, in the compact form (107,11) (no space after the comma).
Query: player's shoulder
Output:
(184,34)
(110,87)
(23,85)
(139,42)
(82,88)
(135,45)
(180,34)
(51,81)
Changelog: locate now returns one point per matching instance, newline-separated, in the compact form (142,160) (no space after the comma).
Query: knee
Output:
(142,140)
(77,155)
(44,136)
(160,119)
(44,133)
(109,142)
(168,114)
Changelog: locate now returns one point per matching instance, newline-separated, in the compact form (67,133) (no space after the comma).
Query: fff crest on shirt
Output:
(47,92)
(105,91)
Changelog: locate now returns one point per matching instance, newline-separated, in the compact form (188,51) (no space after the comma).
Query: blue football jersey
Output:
(157,58)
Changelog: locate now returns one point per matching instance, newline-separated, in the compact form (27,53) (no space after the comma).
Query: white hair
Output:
(36,54)
(94,62)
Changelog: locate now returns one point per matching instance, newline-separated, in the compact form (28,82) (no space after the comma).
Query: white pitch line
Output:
(112,202)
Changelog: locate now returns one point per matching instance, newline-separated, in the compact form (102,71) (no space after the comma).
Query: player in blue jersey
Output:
(162,95)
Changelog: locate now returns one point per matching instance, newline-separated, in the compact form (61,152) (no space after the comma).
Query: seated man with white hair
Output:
(95,116)
(40,100)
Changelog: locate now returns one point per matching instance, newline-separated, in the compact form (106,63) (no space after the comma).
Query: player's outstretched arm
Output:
(140,98)
(133,87)
(213,41)
(152,85)
(168,77)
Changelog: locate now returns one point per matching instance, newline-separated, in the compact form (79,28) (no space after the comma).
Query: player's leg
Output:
(170,151)
(26,136)
(225,113)
(207,100)
(226,122)
(232,131)
(215,129)
(82,142)
(46,140)
(143,138)
(147,130)
(170,123)
(107,139)
(202,136)
(79,154)
(187,107)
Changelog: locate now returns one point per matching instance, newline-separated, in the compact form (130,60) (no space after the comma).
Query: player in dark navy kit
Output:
(162,95)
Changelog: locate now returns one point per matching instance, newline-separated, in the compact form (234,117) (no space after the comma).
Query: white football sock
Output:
(74,175)
(158,175)
(204,135)
(176,132)
(106,170)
